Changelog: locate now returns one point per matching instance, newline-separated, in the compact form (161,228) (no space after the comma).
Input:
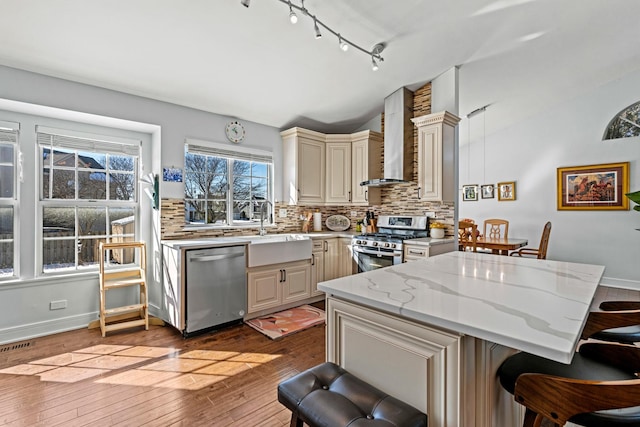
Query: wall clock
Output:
(235,131)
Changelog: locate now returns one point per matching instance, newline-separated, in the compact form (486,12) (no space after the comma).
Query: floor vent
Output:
(12,347)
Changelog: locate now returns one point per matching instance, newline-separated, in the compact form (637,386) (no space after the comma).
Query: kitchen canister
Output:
(317,221)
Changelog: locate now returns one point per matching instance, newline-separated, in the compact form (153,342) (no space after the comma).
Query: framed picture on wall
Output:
(506,191)
(593,187)
(470,193)
(487,191)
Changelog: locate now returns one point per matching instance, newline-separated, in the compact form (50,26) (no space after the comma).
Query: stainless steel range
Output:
(384,248)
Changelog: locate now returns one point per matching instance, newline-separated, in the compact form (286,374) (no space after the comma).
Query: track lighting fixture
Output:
(344,44)
(375,53)
(292,15)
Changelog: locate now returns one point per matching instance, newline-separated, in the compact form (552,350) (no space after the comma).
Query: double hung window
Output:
(88,195)
(227,187)
(8,199)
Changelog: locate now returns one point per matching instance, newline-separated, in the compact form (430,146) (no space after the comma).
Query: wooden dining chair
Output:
(541,251)
(598,388)
(496,228)
(467,236)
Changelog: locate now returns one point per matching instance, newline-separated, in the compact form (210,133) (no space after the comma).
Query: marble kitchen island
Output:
(433,332)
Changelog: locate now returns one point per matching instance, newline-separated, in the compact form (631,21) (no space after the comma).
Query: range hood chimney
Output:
(398,139)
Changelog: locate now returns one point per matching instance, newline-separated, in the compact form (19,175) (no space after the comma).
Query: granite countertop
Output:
(538,306)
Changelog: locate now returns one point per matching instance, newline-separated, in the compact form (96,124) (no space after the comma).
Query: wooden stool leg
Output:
(295,421)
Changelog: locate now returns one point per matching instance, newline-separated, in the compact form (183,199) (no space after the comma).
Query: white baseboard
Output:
(40,329)
(612,282)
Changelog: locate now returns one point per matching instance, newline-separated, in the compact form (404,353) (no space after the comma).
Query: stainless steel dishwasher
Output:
(215,288)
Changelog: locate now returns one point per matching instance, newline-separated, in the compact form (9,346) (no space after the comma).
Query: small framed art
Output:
(172,174)
(469,193)
(506,191)
(487,191)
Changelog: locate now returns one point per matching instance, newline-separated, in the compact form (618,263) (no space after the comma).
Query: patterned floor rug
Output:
(287,322)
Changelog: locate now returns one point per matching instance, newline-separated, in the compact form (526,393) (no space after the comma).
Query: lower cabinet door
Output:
(297,284)
(264,289)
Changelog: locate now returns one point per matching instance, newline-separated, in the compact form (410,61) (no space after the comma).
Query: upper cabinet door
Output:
(338,172)
(303,169)
(366,164)
(436,168)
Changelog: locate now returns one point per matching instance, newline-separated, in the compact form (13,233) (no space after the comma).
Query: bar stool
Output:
(599,388)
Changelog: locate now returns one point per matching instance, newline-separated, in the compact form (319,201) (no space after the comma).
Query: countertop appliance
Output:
(216,288)
(384,248)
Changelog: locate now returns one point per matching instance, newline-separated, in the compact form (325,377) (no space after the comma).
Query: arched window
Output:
(625,124)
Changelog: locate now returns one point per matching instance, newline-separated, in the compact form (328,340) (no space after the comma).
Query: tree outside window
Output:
(225,191)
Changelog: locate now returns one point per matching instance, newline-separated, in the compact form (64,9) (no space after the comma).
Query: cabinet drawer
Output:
(412,253)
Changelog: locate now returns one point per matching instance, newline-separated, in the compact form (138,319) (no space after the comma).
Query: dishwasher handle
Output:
(215,257)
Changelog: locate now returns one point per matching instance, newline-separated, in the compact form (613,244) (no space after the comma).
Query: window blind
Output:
(58,138)
(220,150)
(9,132)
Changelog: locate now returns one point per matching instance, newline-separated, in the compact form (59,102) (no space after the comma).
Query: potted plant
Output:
(635,197)
(437,230)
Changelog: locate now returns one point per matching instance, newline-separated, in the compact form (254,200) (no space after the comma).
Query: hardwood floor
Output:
(152,378)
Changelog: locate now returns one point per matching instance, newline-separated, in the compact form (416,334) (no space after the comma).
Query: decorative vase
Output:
(437,233)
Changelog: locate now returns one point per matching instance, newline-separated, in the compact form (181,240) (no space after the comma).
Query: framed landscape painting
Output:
(593,187)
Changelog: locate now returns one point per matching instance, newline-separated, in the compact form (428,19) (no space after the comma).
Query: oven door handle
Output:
(365,251)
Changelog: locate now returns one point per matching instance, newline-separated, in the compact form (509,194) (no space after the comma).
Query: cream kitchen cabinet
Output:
(436,146)
(338,169)
(351,159)
(324,169)
(331,258)
(366,164)
(303,166)
(317,266)
(346,264)
(274,286)
(416,251)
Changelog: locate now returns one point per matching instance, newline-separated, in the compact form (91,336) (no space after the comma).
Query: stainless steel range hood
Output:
(398,140)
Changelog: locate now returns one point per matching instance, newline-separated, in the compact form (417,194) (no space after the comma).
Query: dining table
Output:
(501,246)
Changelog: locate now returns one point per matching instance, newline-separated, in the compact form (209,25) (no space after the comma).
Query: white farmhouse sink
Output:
(277,248)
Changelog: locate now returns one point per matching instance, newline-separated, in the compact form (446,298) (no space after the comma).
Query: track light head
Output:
(245,3)
(292,15)
(374,64)
(317,30)
(343,45)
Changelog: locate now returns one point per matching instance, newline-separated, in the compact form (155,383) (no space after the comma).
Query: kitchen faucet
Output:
(262,213)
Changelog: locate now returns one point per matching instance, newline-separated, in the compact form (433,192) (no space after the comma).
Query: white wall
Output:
(25,304)
(529,152)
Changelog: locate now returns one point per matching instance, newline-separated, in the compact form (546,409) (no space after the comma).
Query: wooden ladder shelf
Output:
(137,314)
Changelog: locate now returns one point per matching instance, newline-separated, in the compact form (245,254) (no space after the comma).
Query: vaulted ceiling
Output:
(253,64)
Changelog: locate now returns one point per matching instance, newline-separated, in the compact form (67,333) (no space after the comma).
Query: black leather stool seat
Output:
(581,367)
(625,334)
(329,396)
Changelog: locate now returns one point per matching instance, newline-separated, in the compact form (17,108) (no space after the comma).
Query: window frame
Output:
(78,143)
(615,123)
(13,128)
(232,154)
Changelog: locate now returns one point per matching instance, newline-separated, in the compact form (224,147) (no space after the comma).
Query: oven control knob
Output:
(393,246)
(357,242)
(386,245)
(374,244)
